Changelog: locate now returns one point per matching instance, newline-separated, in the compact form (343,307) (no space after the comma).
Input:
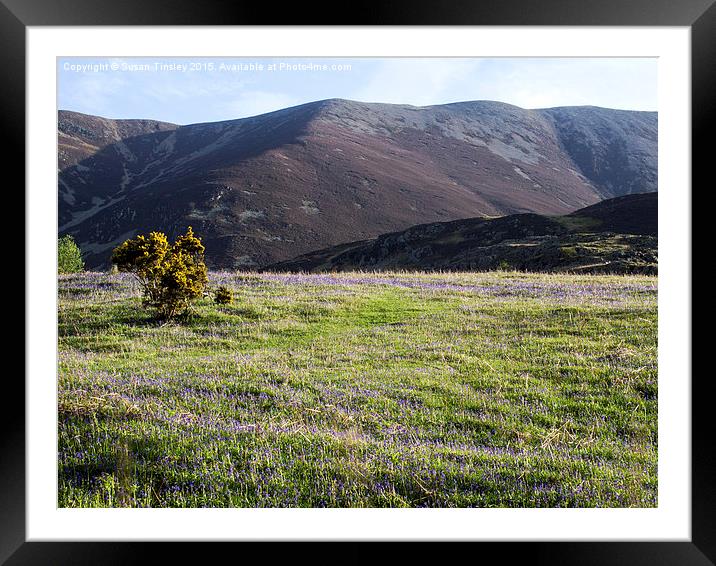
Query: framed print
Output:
(389,279)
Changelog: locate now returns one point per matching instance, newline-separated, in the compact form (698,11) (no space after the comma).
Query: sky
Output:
(188,91)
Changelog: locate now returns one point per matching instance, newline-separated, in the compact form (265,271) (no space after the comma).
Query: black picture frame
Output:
(17,15)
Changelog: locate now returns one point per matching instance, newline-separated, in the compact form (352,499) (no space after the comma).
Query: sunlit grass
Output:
(362,390)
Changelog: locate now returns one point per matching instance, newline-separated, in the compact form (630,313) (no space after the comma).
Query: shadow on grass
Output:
(78,322)
(117,474)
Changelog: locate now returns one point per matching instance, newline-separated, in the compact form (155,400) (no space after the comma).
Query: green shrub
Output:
(172,276)
(223,296)
(69,256)
(568,252)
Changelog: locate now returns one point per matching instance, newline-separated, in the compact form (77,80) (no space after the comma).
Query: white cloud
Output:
(526,82)
(540,83)
(420,82)
(95,93)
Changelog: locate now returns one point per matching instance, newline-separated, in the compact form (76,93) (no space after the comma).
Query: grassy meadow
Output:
(361,390)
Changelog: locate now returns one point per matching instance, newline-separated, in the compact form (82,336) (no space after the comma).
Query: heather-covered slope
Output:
(264,189)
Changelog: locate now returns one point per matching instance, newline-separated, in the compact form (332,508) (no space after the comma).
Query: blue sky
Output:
(185,91)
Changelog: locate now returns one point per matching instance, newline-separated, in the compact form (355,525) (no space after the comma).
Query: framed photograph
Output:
(389,279)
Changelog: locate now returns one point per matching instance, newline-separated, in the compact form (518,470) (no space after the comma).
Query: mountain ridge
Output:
(269,187)
(340,100)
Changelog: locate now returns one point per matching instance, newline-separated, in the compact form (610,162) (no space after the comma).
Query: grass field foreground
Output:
(361,390)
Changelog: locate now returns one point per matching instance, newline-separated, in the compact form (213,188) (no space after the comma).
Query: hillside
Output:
(618,235)
(267,188)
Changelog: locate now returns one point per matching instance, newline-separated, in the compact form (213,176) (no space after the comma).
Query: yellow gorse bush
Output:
(171,275)
(223,296)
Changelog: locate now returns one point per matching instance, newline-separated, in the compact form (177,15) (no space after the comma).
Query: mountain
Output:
(264,189)
(618,235)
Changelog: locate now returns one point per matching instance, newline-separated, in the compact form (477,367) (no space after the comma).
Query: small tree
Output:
(69,256)
(171,275)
